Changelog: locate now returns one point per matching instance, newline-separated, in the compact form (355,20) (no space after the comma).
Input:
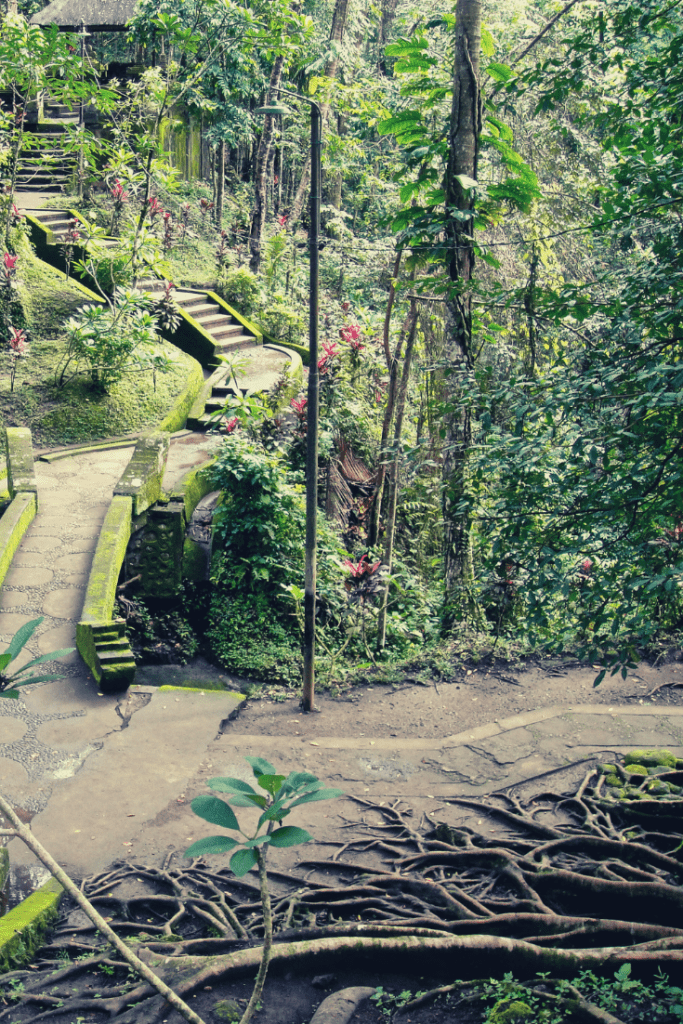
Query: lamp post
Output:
(312,418)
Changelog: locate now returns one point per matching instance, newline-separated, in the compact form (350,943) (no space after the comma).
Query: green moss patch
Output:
(23,929)
(74,414)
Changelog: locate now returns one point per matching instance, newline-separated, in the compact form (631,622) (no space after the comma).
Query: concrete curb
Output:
(23,929)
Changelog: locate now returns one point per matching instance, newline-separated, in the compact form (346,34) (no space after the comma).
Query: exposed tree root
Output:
(592,891)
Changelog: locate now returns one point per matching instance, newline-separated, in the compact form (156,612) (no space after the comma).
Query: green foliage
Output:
(240,289)
(112,340)
(279,796)
(11,681)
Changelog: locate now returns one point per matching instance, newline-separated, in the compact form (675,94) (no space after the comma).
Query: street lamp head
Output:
(273,108)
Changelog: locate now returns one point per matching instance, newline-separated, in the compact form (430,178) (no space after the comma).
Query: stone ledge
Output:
(23,929)
(142,478)
(13,525)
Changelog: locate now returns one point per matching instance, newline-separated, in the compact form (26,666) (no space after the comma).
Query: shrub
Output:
(240,289)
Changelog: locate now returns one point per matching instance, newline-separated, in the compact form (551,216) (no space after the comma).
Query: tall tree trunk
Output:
(392,366)
(464,132)
(336,37)
(220,184)
(394,470)
(258,215)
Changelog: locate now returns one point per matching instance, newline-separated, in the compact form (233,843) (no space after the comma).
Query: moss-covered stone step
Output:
(24,928)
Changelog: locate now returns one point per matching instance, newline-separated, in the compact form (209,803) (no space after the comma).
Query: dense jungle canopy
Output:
(502,274)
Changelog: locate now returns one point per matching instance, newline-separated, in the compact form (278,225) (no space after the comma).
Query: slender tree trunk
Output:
(220,184)
(392,365)
(258,215)
(464,132)
(336,37)
(394,470)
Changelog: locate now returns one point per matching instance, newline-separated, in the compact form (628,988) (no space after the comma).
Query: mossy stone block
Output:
(161,556)
(13,525)
(195,561)
(637,769)
(176,417)
(21,474)
(142,477)
(107,562)
(23,929)
(194,486)
(651,758)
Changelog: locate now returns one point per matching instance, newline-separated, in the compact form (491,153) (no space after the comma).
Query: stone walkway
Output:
(104,777)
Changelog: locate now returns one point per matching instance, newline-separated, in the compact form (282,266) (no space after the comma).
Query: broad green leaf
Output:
(499,72)
(34,679)
(246,800)
(271,783)
(319,794)
(212,844)
(260,766)
(46,657)
(488,46)
(5,660)
(399,123)
(210,808)
(22,636)
(13,694)
(229,785)
(242,861)
(296,781)
(289,835)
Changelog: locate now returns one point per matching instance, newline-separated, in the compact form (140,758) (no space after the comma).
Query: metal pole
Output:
(307,699)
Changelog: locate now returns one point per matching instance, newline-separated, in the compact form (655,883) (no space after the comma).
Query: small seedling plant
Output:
(10,681)
(278,796)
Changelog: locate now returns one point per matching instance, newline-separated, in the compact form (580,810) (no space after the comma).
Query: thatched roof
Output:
(96,15)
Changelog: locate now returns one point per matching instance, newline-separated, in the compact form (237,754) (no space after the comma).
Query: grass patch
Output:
(74,414)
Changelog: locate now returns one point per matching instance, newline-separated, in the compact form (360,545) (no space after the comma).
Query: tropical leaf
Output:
(210,808)
(243,861)
(212,844)
(229,785)
(289,835)
(22,636)
(260,766)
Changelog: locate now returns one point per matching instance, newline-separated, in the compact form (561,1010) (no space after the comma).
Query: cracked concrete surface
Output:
(106,777)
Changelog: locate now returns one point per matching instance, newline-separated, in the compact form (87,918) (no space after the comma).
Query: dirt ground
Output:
(478,696)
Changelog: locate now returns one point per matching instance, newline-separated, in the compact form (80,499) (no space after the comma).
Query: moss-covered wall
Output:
(23,929)
(107,561)
(13,525)
(177,415)
(161,558)
(194,486)
(144,473)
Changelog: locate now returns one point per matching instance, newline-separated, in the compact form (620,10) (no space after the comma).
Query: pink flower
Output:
(362,567)
(282,220)
(9,262)
(16,213)
(298,404)
(351,333)
(118,193)
(331,349)
(155,207)
(18,343)
(346,306)
(231,425)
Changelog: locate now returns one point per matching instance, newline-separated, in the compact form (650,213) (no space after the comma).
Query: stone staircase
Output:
(44,165)
(227,334)
(251,366)
(114,656)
